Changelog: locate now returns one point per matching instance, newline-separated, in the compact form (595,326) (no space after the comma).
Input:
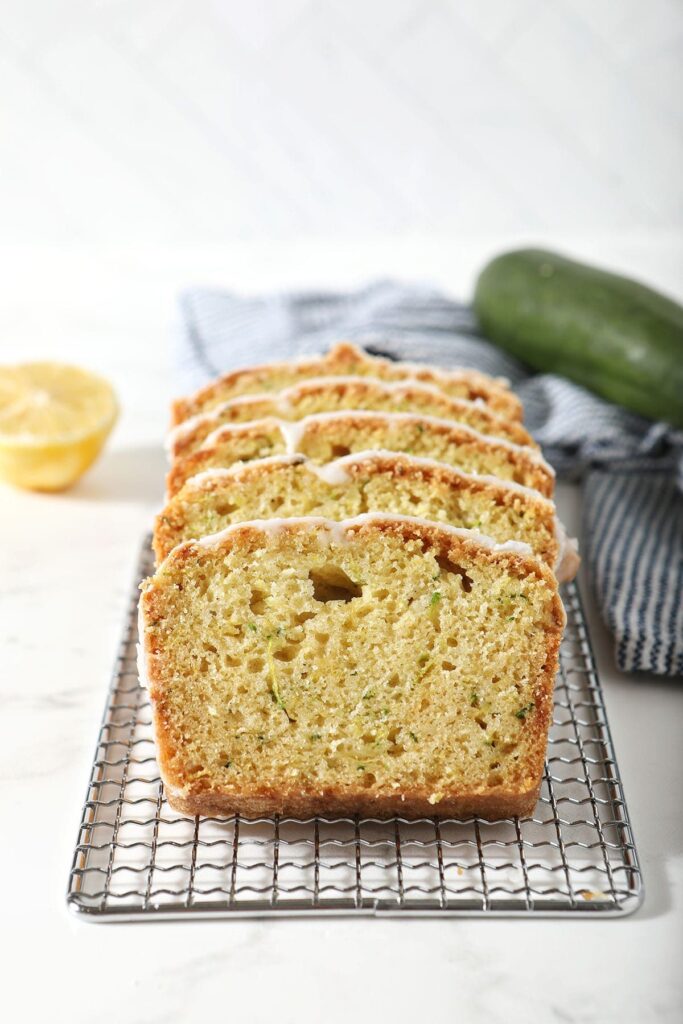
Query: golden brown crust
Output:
(200,799)
(345,359)
(214,455)
(169,523)
(335,802)
(184,468)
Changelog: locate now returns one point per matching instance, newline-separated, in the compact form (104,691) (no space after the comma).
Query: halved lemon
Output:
(54,420)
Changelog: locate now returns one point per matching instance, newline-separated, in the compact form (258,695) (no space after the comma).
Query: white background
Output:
(177,121)
(147,145)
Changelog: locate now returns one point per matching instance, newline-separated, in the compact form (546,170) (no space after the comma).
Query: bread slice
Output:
(331,394)
(344,360)
(383,665)
(292,486)
(326,436)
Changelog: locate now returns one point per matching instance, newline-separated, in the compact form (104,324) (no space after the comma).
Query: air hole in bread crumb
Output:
(255,664)
(338,451)
(257,602)
(286,654)
(481,723)
(448,666)
(451,567)
(495,778)
(368,780)
(331,583)
(225,508)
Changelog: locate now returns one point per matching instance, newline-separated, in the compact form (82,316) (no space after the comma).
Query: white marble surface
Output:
(65,566)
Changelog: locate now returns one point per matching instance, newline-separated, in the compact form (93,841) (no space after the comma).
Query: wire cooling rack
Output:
(136,859)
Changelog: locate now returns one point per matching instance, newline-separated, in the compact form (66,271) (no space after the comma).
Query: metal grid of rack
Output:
(136,859)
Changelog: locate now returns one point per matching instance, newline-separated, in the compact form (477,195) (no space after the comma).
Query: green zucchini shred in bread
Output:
(360,666)
(335,394)
(287,486)
(343,360)
(326,436)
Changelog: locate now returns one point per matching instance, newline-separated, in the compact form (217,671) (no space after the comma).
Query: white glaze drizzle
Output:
(338,531)
(376,383)
(292,432)
(272,527)
(568,558)
(141,652)
(186,428)
(286,397)
(407,417)
(283,402)
(332,471)
(223,472)
(336,472)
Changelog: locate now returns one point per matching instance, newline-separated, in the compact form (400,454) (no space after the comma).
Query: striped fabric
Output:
(633,530)
(632,468)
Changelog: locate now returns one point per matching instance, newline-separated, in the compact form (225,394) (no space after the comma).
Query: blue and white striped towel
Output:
(633,508)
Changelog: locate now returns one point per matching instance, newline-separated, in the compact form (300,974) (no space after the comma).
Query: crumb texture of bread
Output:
(328,436)
(346,359)
(332,394)
(292,486)
(383,665)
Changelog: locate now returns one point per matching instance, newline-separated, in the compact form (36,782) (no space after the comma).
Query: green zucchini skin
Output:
(615,336)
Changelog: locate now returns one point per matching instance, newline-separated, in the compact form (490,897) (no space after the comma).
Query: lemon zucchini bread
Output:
(331,394)
(288,486)
(379,666)
(326,436)
(343,360)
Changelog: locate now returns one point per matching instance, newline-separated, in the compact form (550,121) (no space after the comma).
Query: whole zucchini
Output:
(617,337)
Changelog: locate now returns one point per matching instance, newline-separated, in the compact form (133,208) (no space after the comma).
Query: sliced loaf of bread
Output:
(288,486)
(331,394)
(379,666)
(343,360)
(326,436)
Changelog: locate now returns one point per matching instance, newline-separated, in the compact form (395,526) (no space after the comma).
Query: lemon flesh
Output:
(54,420)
